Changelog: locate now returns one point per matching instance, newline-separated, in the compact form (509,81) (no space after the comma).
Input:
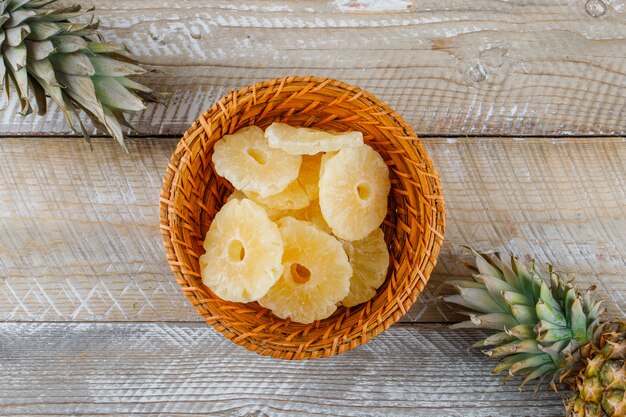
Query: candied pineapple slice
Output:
(316,274)
(313,214)
(369,258)
(309,175)
(236,195)
(353,188)
(291,198)
(298,194)
(309,141)
(246,160)
(244,250)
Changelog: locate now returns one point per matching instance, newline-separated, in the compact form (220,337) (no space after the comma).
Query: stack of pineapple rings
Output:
(301,232)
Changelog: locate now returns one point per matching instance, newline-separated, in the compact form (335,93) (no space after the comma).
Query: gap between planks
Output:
(424,136)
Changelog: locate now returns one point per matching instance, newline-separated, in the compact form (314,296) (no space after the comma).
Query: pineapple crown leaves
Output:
(45,54)
(540,323)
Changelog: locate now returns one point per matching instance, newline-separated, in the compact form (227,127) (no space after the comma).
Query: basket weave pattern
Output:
(414,227)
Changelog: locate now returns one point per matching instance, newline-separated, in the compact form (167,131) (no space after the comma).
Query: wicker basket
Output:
(414,227)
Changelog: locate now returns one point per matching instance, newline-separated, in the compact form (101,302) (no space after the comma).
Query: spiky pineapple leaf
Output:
(540,323)
(105,47)
(45,53)
(115,96)
(109,67)
(39,50)
(66,44)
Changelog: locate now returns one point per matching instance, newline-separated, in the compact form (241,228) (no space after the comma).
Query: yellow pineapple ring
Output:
(309,175)
(369,258)
(246,160)
(316,274)
(312,214)
(243,252)
(308,141)
(274,214)
(291,198)
(354,184)
(297,194)
(236,195)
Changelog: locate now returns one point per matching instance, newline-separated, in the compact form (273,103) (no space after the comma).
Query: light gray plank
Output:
(189,369)
(525,67)
(80,237)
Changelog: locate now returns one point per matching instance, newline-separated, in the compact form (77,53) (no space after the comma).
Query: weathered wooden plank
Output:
(80,237)
(489,67)
(189,369)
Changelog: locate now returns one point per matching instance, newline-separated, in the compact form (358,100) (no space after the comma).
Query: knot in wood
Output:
(476,73)
(595,8)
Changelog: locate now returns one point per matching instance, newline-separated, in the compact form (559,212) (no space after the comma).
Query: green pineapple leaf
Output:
(46,54)
(540,322)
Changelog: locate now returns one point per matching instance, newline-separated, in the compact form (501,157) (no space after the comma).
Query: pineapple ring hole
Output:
(364,191)
(257,155)
(236,251)
(299,273)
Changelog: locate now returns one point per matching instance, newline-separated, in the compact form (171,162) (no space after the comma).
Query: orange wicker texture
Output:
(414,227)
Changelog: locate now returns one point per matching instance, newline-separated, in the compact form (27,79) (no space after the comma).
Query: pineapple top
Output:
(541,323)
(46,53)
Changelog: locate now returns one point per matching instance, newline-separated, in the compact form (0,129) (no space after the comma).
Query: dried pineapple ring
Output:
(308,141)
(291,198)
(243,252)
(274,214)
(316,274)
(246,160)
(312,214)
(354,184)
(297,194)
(309,175)
(236,195)
(369,258)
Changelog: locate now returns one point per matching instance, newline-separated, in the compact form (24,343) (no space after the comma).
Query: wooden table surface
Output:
(520,104)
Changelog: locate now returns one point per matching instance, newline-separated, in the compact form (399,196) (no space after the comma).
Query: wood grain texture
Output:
(80,237)
(527,67)
(189,369)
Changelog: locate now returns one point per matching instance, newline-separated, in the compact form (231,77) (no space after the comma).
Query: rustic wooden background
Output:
(520,104)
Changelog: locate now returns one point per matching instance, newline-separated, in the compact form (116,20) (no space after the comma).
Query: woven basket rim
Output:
(419,197)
